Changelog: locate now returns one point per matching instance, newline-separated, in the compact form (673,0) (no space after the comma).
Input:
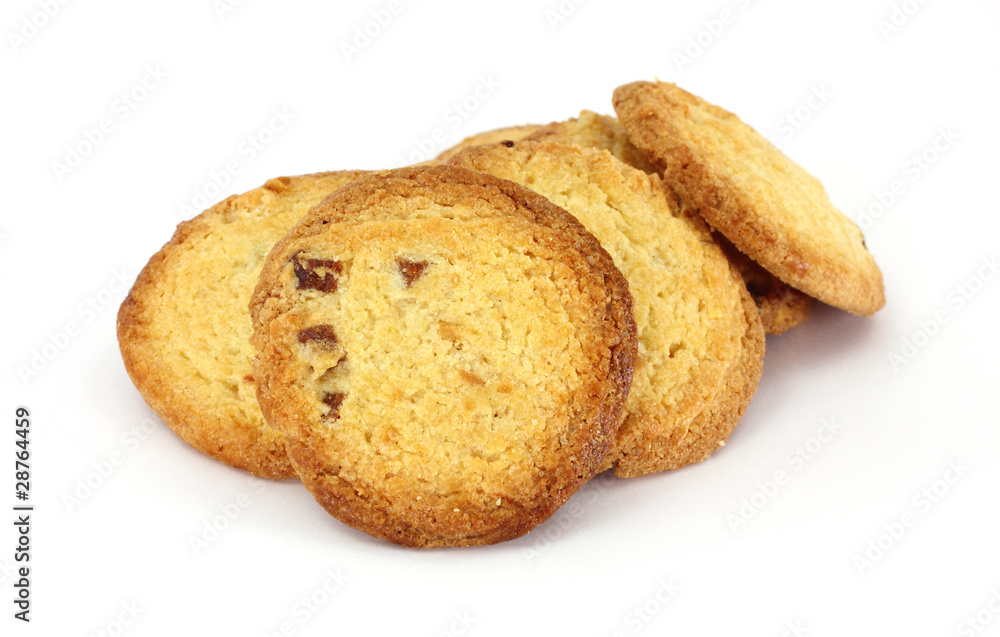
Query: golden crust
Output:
(454,365)
(183,329)
(766,204)
(512,133)
(689,306)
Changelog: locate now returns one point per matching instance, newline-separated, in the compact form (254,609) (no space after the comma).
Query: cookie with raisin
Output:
(184,328)
(448,354)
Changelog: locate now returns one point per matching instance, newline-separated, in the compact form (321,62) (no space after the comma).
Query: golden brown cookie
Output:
(781,306)
(766,204)
(184,328)
(696,337)
(591,130)
(448,353)
(512,133)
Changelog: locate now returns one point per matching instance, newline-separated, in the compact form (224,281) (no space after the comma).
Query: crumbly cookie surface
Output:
(765,203)
(184,329)
(447,352)
(513,133)
(689,305)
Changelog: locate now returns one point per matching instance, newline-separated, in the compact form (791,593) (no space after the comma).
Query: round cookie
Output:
(184,328)
(448,353)
(696,335)
(766,204)
(781,306)
(512,133)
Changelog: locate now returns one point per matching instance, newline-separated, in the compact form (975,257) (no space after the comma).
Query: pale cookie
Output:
(513,133)
(184,329)
(765,203)
(697,340)
(781,306)
(638,453)
(448,353)
(591,130)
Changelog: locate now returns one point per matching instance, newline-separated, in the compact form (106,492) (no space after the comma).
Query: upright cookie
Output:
(766,204)
(512,133)
(700,338)
(781,306)
(447,352)
(184,328)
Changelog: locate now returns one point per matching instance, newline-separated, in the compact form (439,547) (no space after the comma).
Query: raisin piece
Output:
(333,400)
(507,143)
(307,271)
(322,333)
(411,270)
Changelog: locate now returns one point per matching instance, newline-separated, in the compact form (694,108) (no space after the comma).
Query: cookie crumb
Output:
(471,378)
(278,184)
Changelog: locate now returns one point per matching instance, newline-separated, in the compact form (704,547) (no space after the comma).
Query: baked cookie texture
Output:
(184,329)
(448,354)
(513,133)
(592,130)
(781,306)
(766,204)
(701,343)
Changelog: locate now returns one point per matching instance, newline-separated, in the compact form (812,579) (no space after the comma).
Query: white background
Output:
(649,555)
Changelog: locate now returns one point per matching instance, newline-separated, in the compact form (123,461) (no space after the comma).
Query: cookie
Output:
(781,306)
(448,354)
(513,133)
(592,130)
(696,337)
(184,328)
(766,204)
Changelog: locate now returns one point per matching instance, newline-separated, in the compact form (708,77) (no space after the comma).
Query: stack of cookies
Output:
(445,353)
